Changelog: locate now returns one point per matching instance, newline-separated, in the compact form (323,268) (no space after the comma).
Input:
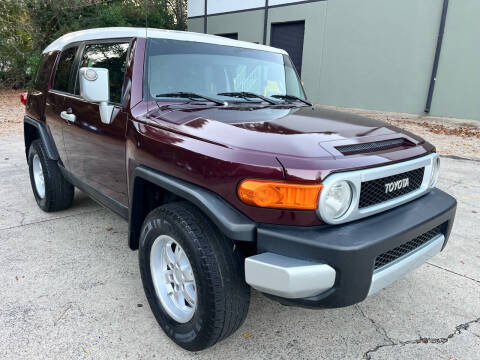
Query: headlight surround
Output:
(435,171)
(337,200)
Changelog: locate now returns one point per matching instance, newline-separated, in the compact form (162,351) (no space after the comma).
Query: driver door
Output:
(96,151)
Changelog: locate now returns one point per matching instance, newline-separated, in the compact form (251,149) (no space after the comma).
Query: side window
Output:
(64,67)
(41,75)
(112,57)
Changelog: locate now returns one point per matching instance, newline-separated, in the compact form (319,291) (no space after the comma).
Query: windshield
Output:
(209,69)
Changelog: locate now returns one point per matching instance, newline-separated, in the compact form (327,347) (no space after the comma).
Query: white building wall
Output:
(220,6)
(195,8)
(281,2)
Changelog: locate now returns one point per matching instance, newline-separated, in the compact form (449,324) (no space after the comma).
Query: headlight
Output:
(337,200)
(435,171)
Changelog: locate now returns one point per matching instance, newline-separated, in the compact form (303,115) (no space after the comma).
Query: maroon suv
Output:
(229,178)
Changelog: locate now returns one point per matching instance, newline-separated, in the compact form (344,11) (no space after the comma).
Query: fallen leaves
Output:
(247,335)
(439,129)
(11,112)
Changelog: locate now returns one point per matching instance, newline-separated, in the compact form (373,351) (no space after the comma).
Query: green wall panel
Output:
(379,54)
(248,25)
(195,25)
(457,89)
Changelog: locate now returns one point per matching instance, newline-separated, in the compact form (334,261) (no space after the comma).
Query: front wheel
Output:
(192,276)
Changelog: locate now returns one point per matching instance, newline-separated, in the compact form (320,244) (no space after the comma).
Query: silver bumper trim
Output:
(295,278)
(400,267)
(288,277)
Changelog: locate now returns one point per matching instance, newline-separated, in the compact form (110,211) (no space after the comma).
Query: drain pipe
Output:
(438,50)
(205,16)
(265,22)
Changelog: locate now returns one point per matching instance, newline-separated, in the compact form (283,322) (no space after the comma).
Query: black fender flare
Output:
(231,222)
(44,135)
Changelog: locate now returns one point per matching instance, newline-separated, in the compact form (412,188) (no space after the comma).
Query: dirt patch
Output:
(11,112)
(458,137)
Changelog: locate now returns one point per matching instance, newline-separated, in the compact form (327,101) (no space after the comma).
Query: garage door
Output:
(289,36)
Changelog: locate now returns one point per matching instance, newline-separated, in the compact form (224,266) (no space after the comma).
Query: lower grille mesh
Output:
(392,255)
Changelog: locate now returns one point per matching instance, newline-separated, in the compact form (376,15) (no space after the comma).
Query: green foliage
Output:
(28,26)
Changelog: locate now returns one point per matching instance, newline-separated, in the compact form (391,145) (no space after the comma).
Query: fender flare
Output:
(44,135)
(231,222)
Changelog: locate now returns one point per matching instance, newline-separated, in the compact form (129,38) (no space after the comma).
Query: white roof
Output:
(126,32)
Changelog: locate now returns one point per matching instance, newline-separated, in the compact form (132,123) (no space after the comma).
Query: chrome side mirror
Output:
(95,87)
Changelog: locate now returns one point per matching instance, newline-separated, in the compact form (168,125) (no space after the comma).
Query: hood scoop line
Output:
(362,148)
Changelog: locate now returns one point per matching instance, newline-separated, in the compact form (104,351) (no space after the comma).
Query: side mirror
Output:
(95,87)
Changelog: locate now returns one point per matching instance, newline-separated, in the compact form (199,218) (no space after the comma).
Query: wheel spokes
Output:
(174,278)
(180,298)
(179,256)
(168,276)
(187,274)
(170,256)
(189,294)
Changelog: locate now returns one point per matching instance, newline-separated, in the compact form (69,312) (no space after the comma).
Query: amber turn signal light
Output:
(279,194)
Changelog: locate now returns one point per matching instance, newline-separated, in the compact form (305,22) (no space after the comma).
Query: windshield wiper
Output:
(191,96)
(291,97)
(248,95)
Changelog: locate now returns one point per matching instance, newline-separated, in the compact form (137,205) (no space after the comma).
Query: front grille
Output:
(392,255)
(374,191)
(373,146)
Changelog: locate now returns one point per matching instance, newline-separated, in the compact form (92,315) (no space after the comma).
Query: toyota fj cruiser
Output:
(228,176)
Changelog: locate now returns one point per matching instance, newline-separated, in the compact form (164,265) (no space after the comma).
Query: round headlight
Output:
(435,171)
(337,199)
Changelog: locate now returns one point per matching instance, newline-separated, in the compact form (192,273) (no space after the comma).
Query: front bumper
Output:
(333,266)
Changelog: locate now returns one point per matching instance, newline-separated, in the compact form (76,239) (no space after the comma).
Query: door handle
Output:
(68,116)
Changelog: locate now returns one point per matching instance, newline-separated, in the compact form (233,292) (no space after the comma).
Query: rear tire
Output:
(221,294)
(52,192)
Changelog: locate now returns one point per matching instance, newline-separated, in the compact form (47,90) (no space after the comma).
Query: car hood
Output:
(284,131)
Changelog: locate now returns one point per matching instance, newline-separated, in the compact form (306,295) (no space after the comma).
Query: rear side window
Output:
(42,73)
(109,56)
(64,68)
(42,79)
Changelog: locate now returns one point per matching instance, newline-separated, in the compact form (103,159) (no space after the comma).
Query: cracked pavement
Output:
(71,289)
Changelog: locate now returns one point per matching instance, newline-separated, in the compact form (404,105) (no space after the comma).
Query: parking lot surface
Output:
(71,289)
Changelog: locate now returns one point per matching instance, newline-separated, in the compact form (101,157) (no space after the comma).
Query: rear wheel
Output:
(192,276)
(52,192)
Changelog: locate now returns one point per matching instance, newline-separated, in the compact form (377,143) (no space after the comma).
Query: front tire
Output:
(52,192)
(192,276)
